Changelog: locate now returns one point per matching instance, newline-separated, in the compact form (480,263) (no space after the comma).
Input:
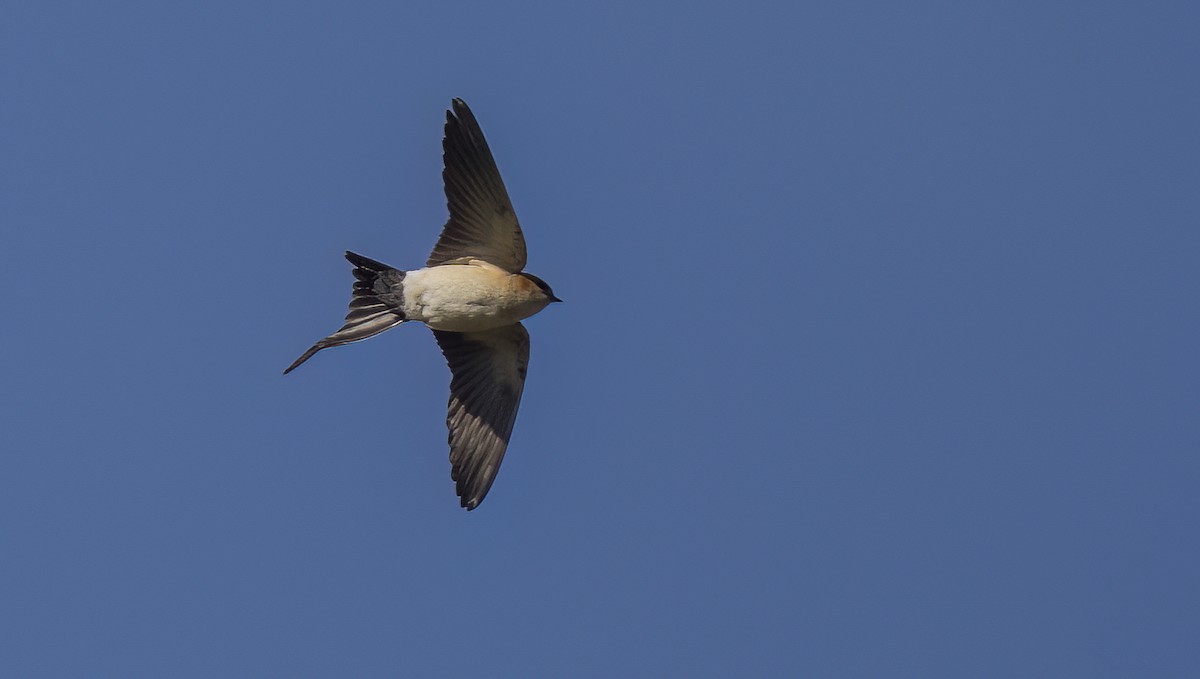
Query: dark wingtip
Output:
(460,113)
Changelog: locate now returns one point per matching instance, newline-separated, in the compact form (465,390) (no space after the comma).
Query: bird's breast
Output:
(466,297)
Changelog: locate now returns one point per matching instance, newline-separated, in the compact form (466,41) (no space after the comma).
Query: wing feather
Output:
(482,222)
(488,375)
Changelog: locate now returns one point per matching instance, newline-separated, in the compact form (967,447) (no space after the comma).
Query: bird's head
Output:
(543,286)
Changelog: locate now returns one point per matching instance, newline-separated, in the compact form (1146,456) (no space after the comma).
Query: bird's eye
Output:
(540,283)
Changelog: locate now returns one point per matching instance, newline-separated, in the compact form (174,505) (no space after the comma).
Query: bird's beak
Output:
(554,299)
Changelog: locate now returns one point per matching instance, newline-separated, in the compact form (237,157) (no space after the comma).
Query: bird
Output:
(473,294)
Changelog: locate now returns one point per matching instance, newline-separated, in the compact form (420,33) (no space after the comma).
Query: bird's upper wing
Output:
(488,371)
(482,222)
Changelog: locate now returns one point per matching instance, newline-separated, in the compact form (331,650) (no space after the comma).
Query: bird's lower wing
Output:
(488,371)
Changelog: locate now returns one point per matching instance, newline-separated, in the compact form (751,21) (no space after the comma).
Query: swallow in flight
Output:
(473,294)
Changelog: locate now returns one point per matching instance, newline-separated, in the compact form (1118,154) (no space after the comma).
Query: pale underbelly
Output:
(469,317)
(465,298)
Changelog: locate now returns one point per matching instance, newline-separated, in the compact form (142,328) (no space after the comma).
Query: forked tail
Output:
(376,305)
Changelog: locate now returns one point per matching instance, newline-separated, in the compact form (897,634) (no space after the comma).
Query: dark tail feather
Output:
(375,306)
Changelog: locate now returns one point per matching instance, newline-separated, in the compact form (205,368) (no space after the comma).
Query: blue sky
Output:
(878,356)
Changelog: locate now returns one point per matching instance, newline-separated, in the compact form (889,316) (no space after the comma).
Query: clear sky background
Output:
(878,356)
